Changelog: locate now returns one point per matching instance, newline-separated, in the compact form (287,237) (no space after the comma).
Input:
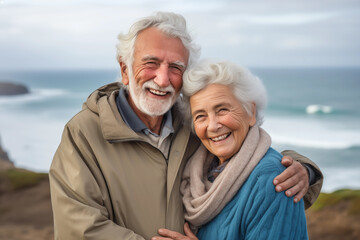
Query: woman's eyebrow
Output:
(197,112)
(222,105)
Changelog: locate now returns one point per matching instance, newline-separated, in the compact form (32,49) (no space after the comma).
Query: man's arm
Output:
(79,196)
(295,179)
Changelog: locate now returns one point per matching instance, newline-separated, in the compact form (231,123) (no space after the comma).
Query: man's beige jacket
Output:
(108,183)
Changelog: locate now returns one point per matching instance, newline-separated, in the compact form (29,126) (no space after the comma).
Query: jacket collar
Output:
(103,102)
(134,122)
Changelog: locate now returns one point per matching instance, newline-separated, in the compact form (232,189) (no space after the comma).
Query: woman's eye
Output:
(198,117)
(222,110)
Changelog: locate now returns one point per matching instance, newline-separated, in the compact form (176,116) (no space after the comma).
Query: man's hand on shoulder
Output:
(294,179)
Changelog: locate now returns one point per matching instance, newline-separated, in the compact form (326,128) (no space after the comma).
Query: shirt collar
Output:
(134,122)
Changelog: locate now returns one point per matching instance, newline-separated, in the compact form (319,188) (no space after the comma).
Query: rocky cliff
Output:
(5,162)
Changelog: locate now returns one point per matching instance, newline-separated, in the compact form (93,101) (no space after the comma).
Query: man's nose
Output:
(162,76)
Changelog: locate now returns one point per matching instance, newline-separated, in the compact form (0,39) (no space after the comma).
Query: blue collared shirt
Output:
(135,123)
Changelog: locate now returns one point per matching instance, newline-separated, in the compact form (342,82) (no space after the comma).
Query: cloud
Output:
(82,33)
(286,19)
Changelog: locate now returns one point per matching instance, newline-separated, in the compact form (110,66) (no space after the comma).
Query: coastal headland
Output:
(9,88)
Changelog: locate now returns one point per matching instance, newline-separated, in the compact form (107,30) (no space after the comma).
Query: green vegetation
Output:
(21,178)
(351,197)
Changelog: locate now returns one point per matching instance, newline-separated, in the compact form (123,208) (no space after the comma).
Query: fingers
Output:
(294,179)
(291,185)
(287,162)
(301,194)
(294,186)
(167,234)
(188,231)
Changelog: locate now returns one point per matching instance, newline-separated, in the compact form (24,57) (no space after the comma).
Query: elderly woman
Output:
(227,184)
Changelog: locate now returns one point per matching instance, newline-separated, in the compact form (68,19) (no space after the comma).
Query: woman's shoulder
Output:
(261,178)
(270,163)
(260,181)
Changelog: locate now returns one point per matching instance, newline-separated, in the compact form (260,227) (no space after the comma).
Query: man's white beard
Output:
(148,105)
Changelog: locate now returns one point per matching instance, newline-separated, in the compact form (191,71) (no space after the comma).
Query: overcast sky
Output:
(77,34)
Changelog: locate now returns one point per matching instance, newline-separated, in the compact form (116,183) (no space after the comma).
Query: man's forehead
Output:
(155,45)
(149,57)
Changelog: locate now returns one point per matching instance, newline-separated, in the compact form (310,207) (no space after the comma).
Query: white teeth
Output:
(220,138)
(156,92)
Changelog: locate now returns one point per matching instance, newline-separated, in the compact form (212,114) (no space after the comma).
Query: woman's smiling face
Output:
(220,120)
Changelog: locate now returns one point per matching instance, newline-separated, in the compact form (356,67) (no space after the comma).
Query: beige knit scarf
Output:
(202,199)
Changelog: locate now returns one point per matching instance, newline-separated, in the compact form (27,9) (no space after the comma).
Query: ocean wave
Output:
(49,92)
(318,109)
(36,94)
(314,133)
(313,143)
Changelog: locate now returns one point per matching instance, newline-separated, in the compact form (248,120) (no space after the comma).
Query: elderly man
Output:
(117,171)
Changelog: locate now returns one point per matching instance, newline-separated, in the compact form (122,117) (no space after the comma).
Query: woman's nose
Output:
(213,123)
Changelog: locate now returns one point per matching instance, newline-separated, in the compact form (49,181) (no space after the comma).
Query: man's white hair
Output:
(247,88)
(171,24)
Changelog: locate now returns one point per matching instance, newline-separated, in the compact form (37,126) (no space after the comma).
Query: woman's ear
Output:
(252,121)
(124,73)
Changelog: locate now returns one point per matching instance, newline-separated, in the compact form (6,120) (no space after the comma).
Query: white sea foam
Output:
(37,94)
(318,142)
(311,133)
(318,109)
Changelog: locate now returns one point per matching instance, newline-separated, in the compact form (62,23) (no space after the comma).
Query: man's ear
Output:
(124,73)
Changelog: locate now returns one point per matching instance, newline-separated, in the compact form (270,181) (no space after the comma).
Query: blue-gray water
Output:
(313,111)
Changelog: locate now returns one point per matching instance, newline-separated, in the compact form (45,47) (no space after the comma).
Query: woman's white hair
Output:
(247,88)
(171,24)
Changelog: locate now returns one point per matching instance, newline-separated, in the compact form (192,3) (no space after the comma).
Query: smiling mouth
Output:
(157,92)
(220,138)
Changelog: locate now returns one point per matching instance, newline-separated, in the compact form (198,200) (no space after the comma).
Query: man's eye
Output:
(176,68)
(151,64)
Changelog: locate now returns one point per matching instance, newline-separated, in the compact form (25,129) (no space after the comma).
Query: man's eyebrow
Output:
(149,57)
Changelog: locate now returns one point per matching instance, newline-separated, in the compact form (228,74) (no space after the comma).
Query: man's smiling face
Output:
(156,77)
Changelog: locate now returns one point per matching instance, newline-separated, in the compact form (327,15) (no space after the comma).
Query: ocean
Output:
(315,112)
